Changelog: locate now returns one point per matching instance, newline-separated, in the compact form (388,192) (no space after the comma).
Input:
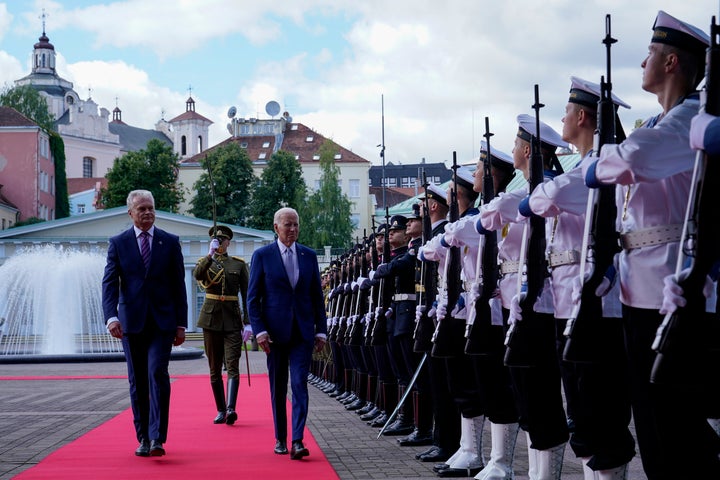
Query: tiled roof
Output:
(189,115)
(297,139)
(9,117)
(133,139)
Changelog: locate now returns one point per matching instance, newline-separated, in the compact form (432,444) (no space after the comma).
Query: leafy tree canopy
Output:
(233,182)
(281,185)
(28,101)
(325,219)
(154,169)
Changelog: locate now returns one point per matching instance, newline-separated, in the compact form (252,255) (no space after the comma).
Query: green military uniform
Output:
(225,280)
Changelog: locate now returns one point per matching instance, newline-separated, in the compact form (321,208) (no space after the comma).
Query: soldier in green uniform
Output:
(225,327)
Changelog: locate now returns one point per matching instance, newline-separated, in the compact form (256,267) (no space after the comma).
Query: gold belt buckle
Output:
(222,298)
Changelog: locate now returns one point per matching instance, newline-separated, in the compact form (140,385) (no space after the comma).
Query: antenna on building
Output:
(272,108)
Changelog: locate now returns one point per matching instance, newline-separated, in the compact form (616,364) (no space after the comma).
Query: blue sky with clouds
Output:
(441,67)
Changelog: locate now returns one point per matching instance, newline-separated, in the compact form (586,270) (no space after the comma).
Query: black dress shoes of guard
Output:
(156,449)
(280,448)
(416,439)
(433,454)
(458,472)
(143,450)
(220,418)
(298,450)
(231,417)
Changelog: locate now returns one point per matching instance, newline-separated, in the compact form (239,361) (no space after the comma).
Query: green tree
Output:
(325,218)
(154,169)
(281,185)
(28,101)
(62,201)
(233,180)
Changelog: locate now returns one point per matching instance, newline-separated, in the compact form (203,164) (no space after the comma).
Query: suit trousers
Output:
(295,357)
(147,355)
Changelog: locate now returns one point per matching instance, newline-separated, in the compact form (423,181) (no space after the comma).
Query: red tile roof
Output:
(297,139)
(76,185)
(9,117)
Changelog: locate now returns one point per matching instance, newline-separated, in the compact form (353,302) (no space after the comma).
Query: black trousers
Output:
(674,438)
(493,378)
(538,392)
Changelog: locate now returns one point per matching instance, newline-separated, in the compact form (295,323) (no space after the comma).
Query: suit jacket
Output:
(132,293)
(273,304)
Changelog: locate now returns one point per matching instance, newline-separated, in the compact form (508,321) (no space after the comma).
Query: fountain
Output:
(51,308)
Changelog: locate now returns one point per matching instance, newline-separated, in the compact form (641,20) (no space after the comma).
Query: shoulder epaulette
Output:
(238,258)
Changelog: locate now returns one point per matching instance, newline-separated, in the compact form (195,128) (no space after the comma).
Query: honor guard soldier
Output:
(653,168)
(538,393)
(225,327)
(492,375)
(599,392)
(400,273)
(446,425)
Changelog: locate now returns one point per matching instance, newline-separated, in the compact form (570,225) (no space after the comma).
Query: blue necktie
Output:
(145,248)
(290,266)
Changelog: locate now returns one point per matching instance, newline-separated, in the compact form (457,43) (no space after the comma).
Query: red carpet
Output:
(196,448)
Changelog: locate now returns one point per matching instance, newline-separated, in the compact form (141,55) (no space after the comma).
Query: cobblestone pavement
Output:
(38,417)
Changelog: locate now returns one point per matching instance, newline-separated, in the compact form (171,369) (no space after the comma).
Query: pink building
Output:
(27,171)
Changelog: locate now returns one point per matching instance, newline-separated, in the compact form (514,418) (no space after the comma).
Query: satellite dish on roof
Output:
(231,112)
(272,108)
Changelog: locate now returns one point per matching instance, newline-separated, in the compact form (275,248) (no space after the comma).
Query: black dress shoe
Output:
(220,418)
(379,421)
(356,405)
(398,427)
(458,472)
(143,449)
(280,448)
(372,414)
(440,466)
(435,454)
(416,439)
(156,449)
(298,450)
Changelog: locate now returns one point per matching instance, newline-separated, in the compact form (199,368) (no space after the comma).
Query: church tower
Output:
(190,131)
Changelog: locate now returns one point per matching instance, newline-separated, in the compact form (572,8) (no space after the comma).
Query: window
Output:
(294,127)
(183,145)
(262,156)
(81,208)
(88,163)
(309,138)
(436,180)
(266,145)
(199,144)
(316,157)
(391,182)
(318,185)
(354,188)
(243,145)
(297,157)
(355,220)
(408,182)
(338,156)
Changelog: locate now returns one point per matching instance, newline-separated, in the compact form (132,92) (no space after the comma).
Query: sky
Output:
(418,76)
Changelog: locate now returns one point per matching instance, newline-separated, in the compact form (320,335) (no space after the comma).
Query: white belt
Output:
(568,257)
(651,236)
(401,297)
(511,266)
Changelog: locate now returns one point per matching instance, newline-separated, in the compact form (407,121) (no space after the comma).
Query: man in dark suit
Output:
(145,305)
(287,314)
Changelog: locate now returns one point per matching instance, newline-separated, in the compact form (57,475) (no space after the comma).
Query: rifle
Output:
(374,292)
(379,332)
(424,327)
(682,346)
(449,333)
(521,339)
(600,236)
(477,328)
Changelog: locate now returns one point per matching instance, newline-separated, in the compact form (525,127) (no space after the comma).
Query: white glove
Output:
(698,126)
(459,310)
(214,245)
(441,310)
(673,292)
(515,309)
(246,333)
(371,274)
(419,310)
(378,312)
(389,313)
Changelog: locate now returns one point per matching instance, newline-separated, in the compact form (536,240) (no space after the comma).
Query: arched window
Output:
(183,146)
(199,144)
